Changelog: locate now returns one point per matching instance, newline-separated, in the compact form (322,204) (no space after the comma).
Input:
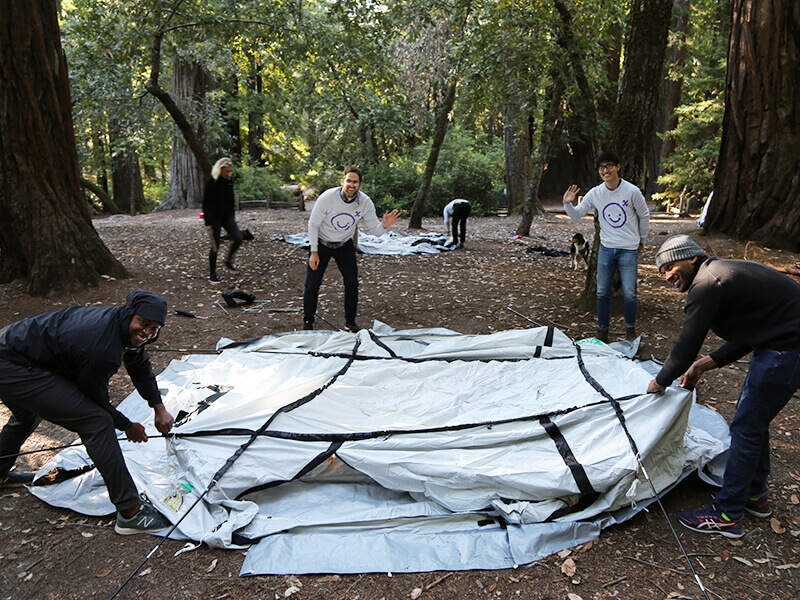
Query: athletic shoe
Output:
(350,325)
(16,479)
(213,279)
(759,507)
(308,325)
(147,520)
(229,263)
(710,520)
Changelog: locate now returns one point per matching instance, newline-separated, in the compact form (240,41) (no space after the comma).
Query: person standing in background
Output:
(218,212)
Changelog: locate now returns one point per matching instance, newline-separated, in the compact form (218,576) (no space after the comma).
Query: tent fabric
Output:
(399,451)
(393,242)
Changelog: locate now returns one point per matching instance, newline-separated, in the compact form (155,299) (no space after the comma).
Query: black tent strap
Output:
(577,470)
(184,417)
(614,403)
(312,464)
(287,408)
(378,341)
(366,435)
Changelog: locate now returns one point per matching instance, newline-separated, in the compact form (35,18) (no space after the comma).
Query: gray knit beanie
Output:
(678,247)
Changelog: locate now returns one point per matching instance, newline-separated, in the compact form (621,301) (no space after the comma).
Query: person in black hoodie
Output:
(56,366)
(218,212)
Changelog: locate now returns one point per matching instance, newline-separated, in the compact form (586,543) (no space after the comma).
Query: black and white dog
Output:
(579,252)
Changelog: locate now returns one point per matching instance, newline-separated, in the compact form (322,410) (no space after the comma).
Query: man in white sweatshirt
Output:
(331,226)
(624,220)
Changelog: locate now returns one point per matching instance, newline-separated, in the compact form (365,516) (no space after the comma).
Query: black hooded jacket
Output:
(87,344)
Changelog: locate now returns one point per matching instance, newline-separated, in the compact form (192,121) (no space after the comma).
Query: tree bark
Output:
(108,204)
(187,175)
(549,122)
(193,139)
(255,115)
(46,232)
(757,181)
(677,58)
(517,134)
(567,41)
(642,76)
(127,182)
(442,118)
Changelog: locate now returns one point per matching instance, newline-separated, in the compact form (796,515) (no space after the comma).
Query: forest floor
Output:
(51,553)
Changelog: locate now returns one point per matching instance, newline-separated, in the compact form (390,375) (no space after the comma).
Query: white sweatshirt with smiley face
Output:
(623,213)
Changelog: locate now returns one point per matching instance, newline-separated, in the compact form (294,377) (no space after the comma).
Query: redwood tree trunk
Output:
(46,233)
(757,182)
(642,76)
(517,136)
(549,122)
(187,176)
(415,220)
(127,182)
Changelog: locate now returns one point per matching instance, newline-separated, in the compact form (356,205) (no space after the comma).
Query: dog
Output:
(579,252)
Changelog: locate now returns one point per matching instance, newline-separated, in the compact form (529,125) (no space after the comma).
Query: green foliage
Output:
(256,183)
(467,169)
(689,170)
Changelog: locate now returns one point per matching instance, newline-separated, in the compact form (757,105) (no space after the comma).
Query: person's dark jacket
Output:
(746,303)
(218,201)
(87,344)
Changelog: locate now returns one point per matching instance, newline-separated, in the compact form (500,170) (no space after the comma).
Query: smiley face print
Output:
(343,221)
(614,215)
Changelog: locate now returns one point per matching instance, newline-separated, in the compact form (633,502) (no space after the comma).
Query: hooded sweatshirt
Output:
(87,345)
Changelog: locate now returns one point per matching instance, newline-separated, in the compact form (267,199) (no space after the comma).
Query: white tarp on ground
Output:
(403,451)
(392,242)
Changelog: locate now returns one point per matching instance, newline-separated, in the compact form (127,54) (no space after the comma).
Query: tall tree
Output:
(46,233)
(549,122)
(756,184)
(517,144)
(187,174)
(639,87)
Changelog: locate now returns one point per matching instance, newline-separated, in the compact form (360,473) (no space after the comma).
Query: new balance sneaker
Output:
(759,507)
(147,520)
(711,520)
(16,479)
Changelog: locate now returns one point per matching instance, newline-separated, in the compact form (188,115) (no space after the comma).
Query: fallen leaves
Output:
(776,526)
(568,568)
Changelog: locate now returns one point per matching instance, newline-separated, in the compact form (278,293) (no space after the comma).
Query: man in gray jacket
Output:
(754,308)
(56,366)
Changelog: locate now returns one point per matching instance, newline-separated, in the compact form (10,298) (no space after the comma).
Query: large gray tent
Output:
(403,450)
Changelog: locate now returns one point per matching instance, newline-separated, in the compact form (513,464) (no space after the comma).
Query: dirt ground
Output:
(50,553)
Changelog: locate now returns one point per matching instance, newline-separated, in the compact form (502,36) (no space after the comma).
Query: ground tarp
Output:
(404,451)
(392,242)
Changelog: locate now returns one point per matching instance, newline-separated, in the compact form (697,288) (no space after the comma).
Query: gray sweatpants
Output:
(32,394)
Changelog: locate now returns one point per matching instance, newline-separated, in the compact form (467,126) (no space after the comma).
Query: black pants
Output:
(233,230)
(32,394)
(461,211)
(345,257)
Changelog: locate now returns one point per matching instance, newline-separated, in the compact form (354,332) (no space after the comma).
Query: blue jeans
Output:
(772,379)
(608,260)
